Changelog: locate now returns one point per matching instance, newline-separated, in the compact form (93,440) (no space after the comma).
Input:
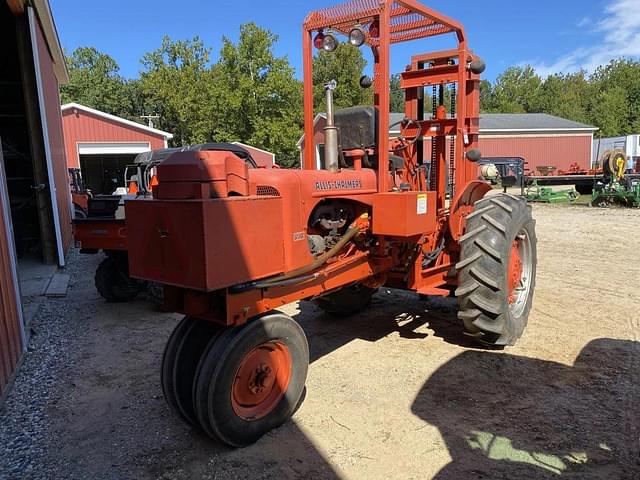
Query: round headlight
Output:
(357,36)
(329,43)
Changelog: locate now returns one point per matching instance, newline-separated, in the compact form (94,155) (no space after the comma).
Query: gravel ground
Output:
(395,392)
(25,417)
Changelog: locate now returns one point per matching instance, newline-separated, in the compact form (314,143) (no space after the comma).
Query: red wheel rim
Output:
(515,271)
(261,380)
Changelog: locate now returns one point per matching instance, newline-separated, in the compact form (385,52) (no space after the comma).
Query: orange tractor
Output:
(232,243)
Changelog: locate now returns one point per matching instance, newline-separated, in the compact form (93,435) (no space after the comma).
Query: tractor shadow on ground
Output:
(504,416)
(391,311)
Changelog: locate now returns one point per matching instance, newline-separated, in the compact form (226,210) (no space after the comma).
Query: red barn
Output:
(541,139)
(102,145)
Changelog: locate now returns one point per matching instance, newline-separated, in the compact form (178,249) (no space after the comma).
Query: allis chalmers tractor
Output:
(233,243)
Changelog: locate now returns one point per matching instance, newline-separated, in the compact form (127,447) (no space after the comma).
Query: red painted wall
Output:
(10,332)
(560,152)
(262,158)
(84,127)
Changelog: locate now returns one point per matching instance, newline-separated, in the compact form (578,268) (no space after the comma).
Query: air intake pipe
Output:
(331,154)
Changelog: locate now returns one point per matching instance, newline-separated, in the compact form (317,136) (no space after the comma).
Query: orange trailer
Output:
(232,243)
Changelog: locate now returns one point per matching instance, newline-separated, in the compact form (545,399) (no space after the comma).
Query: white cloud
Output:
(583,22)
(617,35)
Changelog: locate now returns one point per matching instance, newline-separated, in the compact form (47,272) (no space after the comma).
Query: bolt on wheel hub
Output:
(261,380)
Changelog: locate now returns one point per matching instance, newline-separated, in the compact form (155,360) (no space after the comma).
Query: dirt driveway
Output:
(396,392)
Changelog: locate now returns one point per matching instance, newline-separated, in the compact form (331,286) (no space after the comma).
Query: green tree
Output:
(487,97)
(396,104)
(94,81)
(517,90)
(610,112)
(566,96)
(345,65)
(257,98)
(175,84)
(623,74)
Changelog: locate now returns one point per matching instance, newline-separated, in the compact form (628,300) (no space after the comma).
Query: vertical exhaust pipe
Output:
(331,155)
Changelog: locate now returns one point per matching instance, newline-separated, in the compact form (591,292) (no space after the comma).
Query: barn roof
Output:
(528,122)
(113,118)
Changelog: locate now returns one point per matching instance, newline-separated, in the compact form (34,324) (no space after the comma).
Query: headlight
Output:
(357,36)
(318,40)
(329,43)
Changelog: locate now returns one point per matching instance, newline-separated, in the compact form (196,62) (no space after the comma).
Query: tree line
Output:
(608,98)
(251,95)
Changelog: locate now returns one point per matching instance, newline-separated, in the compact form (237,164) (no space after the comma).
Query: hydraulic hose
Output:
(295,275)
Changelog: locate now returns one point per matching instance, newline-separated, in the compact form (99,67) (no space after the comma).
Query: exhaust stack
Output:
(331,132)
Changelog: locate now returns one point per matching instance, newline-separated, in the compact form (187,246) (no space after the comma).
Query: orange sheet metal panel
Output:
(105,234)
(404,214)
(205,245)
(11,343)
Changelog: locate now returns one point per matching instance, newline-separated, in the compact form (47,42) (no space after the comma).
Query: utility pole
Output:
(150,119)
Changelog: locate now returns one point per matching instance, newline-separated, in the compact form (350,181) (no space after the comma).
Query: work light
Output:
(357,36)
(329,43)
(318,41)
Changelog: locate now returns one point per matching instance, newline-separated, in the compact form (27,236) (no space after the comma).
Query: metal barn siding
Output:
(560,151)
(11,326)
(53,119)
(80,126)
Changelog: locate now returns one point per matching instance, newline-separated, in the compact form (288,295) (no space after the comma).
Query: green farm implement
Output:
(625,192)
(616,187)
(538,194)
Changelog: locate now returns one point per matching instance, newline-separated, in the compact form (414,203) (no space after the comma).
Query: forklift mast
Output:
(386,23)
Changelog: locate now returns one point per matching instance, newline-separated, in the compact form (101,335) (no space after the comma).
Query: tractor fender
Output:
(462,205)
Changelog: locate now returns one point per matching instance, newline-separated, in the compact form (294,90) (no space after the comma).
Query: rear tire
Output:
(347,301)
(497,269)
(251,378)
(113,282)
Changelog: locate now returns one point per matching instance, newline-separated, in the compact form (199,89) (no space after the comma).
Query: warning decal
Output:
(422,204)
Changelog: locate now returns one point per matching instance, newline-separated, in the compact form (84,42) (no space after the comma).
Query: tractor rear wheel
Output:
(250,379)
(113,282)
(497,269)
(347,301)
(180,360)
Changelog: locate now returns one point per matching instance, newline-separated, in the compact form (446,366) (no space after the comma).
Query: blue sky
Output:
(560,35)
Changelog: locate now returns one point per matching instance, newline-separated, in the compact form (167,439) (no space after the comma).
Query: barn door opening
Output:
(22,142)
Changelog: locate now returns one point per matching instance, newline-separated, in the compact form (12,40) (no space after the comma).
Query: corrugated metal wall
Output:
(558,151)
(11,329)
(81,126)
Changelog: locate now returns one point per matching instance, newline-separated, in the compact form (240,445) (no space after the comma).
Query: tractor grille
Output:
(266,191)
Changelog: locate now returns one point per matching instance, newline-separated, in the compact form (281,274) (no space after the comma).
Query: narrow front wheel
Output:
(251,378)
